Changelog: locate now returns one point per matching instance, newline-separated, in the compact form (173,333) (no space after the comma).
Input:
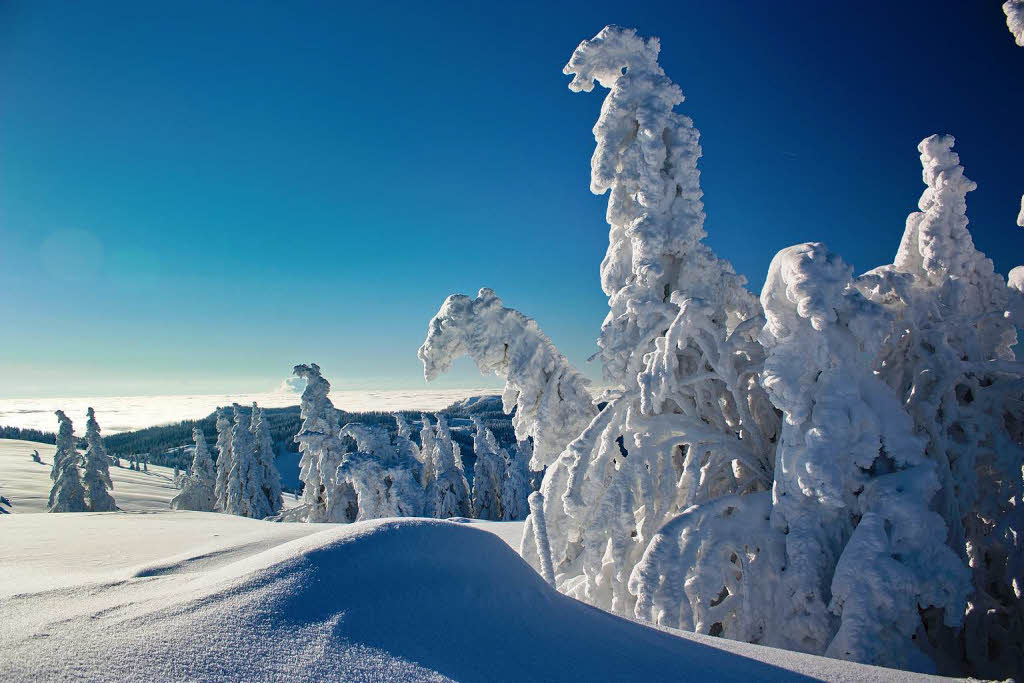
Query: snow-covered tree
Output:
(318,441)
(379,479)
(265,480)
(448,494)
(428,474)
(1014,10)
(240,491)
(198,484)
(690,422)
(67,494)
(224,460)
(515,485)
(488,473)
(549,396)
(97,468)
(406,447)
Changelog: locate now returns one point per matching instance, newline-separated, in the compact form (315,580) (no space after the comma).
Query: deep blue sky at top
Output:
(194,195)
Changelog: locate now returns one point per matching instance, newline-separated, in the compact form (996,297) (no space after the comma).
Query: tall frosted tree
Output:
(488,473)
(240,492)
(515,485)
(429,472)
(67,494)
(224,460)
(380,478)
(448,495)
(265,480)
(97,468)
(197,488)
(318,441)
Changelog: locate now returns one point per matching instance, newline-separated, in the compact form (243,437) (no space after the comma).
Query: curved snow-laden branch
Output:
(549,396)
(1014,10)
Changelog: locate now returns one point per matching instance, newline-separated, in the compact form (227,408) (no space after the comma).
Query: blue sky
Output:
(195,196)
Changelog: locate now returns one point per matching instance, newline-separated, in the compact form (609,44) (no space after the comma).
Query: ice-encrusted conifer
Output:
(690,422)
(549,396)
(864,553)
(379,479)
(97,468)
(1014,10)
(224,460)
(67,494)
(240,491)
(318,441)
(448,495)
(429,472)
(488,473)
(197,486)
(265,480)
(515,485)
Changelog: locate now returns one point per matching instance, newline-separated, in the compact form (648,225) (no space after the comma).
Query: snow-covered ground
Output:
(156,594)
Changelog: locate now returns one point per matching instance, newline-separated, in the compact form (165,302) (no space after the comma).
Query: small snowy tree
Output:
(515,485)
(97,468)
(318,441)
(240,491)
(379,479)
(448,495)
(428,473)
(265,480)
(488,473)
(224,460)
(67,494)
(549,396)
(1014,10)
(197,488)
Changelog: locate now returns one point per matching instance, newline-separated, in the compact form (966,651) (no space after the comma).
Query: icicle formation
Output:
(448,495)
(318,441)
(67,494)
(97,468)
(197,489)
(379,479)
(691,422)
(1014,10)
(852,483)
(265,480)
(550,397)
(220,489)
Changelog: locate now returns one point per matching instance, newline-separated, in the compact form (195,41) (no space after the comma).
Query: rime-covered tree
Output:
(97,468)
(224,460)
(318,441)
(197,487)
(488,473)
(379,479)
(240,490)
(67,494)
(448,495)
(515,485)
(428,474)
(265,480)
(549,396)
(1014,10)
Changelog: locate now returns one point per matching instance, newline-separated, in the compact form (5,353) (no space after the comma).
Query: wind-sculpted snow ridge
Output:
(691,422)
(1014,10)
(549,396)
(234,599)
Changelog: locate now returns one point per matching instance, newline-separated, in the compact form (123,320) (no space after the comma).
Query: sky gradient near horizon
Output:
(196,196)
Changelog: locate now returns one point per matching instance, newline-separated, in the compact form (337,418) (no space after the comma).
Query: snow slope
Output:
(202,596)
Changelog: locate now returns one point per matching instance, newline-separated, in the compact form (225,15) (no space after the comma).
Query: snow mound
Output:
(408,599)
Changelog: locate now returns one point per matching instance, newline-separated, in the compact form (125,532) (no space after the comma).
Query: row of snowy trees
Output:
(834,468)
(245,481)
(389,475)
(75,491)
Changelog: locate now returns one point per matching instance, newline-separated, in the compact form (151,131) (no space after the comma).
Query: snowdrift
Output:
(408,599)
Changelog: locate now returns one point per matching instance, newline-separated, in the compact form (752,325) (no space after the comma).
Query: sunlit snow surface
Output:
(127,413)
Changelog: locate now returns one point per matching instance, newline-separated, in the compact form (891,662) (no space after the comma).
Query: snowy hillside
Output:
(201,596)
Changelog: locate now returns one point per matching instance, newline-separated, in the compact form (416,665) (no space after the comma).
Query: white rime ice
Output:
(448,494)
(197,487)
(67,494)
(488,473)
(428,474)
(515,485)
(550,397)
(379,479)
(1014,10)
(220,489)
(1020,216)
(318,441)
(265,480)
(97,468)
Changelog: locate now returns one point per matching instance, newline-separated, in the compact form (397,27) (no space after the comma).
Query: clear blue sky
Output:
(255,184)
